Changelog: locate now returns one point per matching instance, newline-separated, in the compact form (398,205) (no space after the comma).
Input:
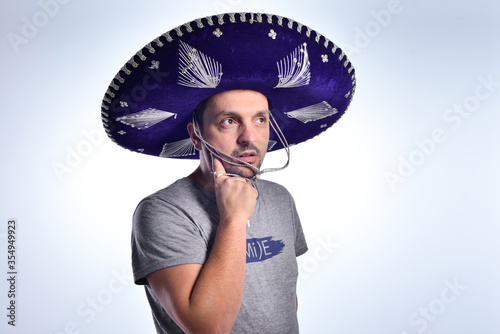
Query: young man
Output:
(206,294)
(216,251)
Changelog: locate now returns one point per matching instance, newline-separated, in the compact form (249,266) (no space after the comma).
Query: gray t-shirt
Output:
(177,225)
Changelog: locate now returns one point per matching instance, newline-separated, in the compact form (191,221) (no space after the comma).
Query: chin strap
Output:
(238,162)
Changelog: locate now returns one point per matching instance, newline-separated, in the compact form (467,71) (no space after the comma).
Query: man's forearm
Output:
(216,297)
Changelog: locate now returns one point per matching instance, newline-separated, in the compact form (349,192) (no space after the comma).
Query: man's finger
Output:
(217,167)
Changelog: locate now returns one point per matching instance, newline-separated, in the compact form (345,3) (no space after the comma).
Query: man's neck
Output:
(204,179)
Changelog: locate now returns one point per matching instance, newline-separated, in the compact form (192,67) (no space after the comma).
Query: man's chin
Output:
(245,172)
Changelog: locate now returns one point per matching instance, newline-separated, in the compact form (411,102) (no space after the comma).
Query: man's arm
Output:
(207,299)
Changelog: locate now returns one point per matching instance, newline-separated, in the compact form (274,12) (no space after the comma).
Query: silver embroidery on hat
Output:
(280,20)
(325,44)
(119,78)
(312,113)
(334,48)
(126,70)
(178,31)
(188,27)
(269,18)
(141,55)
(155,64)
(168,37)
(179,148)
(271,144)
(133,62)
(158,42)
(217,32)
(294,69)
(252,19)
(150,48)
(196,69)
(199,23)
(144,119)
(299,27)
(110,93)
(318,36)
(220,19)
(272,34)
(308,32)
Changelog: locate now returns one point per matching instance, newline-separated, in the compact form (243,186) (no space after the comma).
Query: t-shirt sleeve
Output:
(300,239)
(163,235)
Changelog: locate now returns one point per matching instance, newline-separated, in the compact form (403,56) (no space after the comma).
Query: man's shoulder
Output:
(182,197)
(180,190)
(272,188)
(180,185)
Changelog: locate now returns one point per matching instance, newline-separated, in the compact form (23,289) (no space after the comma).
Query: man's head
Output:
(235,122)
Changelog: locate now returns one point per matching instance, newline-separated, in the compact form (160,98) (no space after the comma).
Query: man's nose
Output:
(247,135)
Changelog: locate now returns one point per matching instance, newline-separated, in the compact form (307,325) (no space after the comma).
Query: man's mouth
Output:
(248,156)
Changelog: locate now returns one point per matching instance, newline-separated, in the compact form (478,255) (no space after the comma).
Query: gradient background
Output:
(383,254)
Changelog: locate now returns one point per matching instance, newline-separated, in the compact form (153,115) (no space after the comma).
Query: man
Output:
(216,251)
(206,297)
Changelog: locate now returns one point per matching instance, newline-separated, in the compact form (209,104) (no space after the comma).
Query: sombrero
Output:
(308,80)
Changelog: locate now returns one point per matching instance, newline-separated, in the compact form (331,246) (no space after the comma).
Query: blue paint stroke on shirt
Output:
(260,249)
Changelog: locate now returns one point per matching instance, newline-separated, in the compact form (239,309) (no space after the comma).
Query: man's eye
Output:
(261,120)
(228,121)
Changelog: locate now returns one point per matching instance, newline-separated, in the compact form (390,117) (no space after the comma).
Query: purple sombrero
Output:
(308,80)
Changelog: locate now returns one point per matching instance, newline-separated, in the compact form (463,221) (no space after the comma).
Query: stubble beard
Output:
(244,171)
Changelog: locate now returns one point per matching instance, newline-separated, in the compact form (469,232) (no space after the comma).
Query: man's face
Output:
(237,123)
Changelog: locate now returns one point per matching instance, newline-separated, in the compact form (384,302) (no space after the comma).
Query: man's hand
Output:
(236,197)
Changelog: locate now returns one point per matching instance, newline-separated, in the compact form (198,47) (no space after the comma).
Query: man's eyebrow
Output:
(263,112)
(226,113)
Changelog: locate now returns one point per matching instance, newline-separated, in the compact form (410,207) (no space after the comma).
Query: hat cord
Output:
(231,160)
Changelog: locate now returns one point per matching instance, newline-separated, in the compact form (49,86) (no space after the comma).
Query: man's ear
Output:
(194,138)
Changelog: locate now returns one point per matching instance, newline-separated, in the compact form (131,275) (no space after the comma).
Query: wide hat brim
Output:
(308,80)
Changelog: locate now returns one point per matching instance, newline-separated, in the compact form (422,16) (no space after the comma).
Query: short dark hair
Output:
(198,112)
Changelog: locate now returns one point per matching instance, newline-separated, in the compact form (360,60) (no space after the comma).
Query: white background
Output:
(399,200)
